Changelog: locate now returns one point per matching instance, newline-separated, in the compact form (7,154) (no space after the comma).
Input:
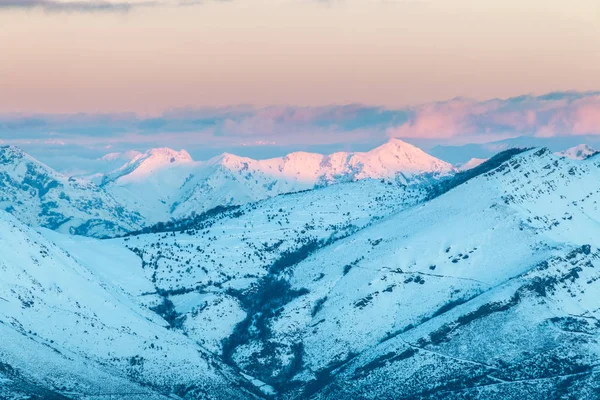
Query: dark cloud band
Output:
(74,6)
(554,114)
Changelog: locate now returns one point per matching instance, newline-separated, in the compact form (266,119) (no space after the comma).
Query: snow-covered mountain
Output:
(150,183)
(148,165)
(40,196)
(164,183)
(503,306)
(478,284)
(579,152)
(485,289)
(113,323)
(472,163)
(71,327)
(459,154)
(97,169)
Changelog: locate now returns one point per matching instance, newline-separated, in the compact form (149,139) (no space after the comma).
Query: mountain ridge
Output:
(162,184)
(579,152)
(40,196)
(231,180)
(342,302)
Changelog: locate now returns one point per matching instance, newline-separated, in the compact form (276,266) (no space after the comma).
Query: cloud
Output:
(438,120)
(91,5)
(74,6)
(81,140)
(554,114)
(454,121)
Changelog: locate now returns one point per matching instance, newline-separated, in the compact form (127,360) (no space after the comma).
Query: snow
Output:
(163,183)
(500,239)
(377,286)
(40,196)
(148,164)
(127,155)
(266,389)
(452,249)
(472,163)
(579,152)
(51,299)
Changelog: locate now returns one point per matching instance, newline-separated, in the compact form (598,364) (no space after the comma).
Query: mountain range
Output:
(166,183)
(386,274)
(40,196)
(163,184)
(460,154)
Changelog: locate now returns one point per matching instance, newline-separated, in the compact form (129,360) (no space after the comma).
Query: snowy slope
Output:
(164,183)
(534,336)
(314,305)
(389,280)
(481,284)
(233,178)
(39,196)
(67,328)
(472,163)
(579,152)
(150,182)
(200,266)
(97,169)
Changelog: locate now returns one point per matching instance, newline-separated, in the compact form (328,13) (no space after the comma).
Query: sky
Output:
(148,57)
(260,78)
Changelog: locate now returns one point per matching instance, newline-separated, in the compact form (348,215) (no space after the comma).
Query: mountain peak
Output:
(157,158)
(398,156)
(227,160)
(165,153)
(149,162)
(396,146)
(10,154)
(397,142)
(579,152)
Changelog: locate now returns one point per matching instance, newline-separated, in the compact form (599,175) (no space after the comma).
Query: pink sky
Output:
(301,52)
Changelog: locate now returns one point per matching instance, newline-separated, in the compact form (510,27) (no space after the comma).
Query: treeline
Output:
(193,222)
(439,188)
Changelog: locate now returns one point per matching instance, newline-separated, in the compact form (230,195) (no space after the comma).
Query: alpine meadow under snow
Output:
(387,274)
